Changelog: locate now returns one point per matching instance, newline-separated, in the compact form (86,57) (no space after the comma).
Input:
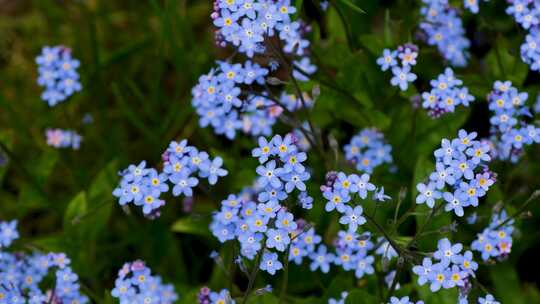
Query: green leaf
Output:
(191,225)
(360,296)
(355,7)
(422,169)
(45,164)
(506,65)
(443,296)
(76,208)
(266,298)
(337,286)
(373,43)
(506,281)
(104,183)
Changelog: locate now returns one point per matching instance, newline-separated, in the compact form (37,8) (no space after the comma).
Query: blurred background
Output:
(139,61)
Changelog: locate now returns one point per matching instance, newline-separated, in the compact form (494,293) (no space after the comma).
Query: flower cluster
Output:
(338,191)
(300,139)
(496,240)
(445,30)
(23,276)
(400,61)
(143,186)
(446,93)
(472,5)
(257,219)
(352,253)
(59,138)
(340,300)
(246,24)
(526,13)
(367,150)
(510,133)
(452,269)
(226,100)
(135,284)
(460,169)
(207,296)
(57,74)
(489,299)
(404,300)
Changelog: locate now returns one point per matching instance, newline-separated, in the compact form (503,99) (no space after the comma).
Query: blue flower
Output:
(442,176)
(363,185)
(212,170)
(296,181)
(150,201)
(183,184)
(447,151)
(467,263)
(387,60)
(439,277)
(336,200)
(353,217)
(489,299)
(258,223)
(272,195)
(423,271)
(222,297)
(402,77)
(283,146)
(455,202)
(427,194)
(269,175)
(157,181)
(227,216)
(277,238)
(321,259)
(463,168)
(263,151)
(305,200)
(404,300)
(408,57)
(446,252)
(285,220)
(294,163)
(364,265)
(8,233)
(135,173)
(270,263)
(380,196)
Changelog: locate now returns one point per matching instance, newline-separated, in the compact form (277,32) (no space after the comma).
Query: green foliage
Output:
(140,60)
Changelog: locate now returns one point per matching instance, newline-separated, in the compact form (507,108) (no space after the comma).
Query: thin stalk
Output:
(423,227)
(253,275)
(384,233)
(521,209)
(283,292)
(394,281)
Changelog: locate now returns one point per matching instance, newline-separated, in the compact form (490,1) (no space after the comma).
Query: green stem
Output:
(394,281)
(394,245)
(521,209)
(423,227)
(253,275)
(283,292)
